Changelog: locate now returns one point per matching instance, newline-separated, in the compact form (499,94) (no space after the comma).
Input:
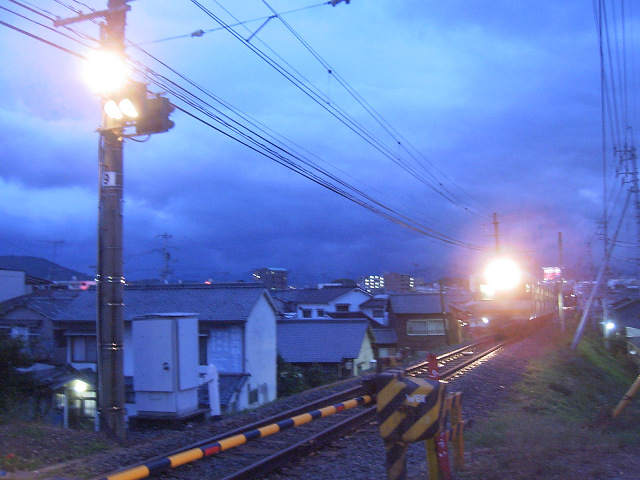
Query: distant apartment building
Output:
(372,283)
(272,278)
(398,283)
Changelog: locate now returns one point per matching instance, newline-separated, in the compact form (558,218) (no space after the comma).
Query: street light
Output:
(106,71)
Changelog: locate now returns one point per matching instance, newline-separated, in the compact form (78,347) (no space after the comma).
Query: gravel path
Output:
(361,456)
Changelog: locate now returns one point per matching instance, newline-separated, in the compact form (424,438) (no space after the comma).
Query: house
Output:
(341,347)
(236,324)
(377,308)
(65,396)
(384,340)
(421,321)
(237,333)
(307,303)
(32,317)
(625,317)
(16,283)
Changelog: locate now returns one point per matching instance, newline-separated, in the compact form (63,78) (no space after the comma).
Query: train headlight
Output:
(503,274)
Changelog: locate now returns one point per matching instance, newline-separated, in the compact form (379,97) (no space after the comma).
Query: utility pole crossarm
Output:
(61,22)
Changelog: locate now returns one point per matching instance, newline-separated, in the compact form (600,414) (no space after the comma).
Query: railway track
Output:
(253,450)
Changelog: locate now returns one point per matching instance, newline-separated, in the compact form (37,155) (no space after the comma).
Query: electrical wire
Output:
(281,155)
(309,90)
(384,124)
(201,32)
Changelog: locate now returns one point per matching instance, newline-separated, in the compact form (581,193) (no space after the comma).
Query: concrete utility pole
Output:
(110,280)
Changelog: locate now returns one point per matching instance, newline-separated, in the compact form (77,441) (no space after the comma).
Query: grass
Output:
(556,423)
(26,446)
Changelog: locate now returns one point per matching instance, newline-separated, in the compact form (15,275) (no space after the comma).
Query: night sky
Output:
(435,113)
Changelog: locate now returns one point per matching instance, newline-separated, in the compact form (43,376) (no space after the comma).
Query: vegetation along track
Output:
(254,450)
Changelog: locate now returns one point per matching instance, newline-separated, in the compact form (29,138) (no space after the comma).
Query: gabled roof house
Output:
(237,333)
(422,321)
(316,302)
(236,323)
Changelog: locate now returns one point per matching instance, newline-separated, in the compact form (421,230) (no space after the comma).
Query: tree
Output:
(314,375)
(14,384)
(290,379)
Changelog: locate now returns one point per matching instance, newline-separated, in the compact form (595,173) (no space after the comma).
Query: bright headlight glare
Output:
(503,274)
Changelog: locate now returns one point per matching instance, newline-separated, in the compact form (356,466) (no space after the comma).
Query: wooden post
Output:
(627,398)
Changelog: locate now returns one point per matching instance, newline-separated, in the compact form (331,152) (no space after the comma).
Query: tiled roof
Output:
(347,315)
(375,303)
(56,377)
(384,336)
(416,303)
(220,302)
(312,295)
(320,341)
(47,302)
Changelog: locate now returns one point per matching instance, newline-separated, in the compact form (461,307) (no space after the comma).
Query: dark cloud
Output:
(501,100)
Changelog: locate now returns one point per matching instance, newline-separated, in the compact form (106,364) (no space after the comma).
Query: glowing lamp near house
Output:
(79,386)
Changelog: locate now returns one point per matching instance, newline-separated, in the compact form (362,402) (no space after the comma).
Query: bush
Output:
(15,385)
(290,379)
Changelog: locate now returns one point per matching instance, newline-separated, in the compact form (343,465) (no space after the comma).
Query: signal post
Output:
(123,107)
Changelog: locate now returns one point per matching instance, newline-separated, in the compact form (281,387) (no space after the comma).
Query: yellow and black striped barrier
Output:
(173,461)
(409,410)
(455,431)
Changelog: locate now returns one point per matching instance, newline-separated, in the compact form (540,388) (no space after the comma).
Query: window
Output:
(59,338)
(425,327)
(306,312)
(253,396)
(203,341)
(377,313)
(321,312)
(342,307)
(84,349)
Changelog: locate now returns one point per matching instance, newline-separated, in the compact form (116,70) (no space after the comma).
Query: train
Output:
(506,296)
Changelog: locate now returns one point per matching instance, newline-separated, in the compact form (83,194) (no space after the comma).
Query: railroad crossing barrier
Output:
(414,409)
(193,454)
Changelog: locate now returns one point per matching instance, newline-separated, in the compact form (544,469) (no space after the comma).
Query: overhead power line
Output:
(239,130)
(346,120)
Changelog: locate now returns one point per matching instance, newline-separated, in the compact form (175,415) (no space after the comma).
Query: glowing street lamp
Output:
(106,71)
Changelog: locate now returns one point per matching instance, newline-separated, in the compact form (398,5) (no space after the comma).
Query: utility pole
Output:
(560,285)
(128,106)
(636,193)
(110,280)
(495,232)
(166,271)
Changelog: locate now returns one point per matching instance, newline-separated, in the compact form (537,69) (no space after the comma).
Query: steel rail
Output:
(305,446)
(311,444)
